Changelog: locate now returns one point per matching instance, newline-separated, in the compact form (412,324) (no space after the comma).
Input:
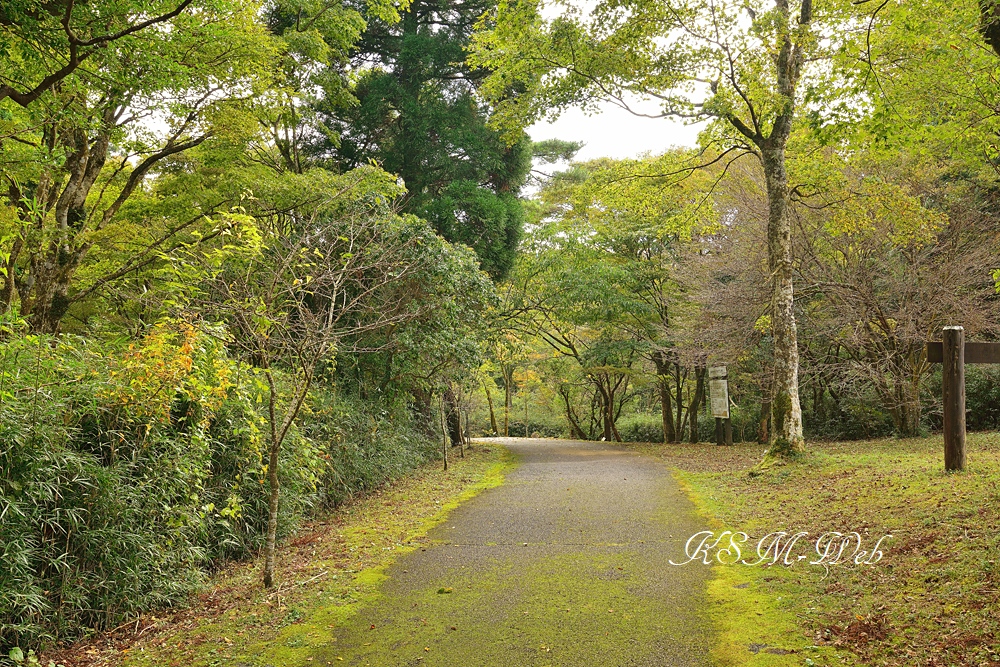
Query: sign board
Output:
(975,353)
(718,389)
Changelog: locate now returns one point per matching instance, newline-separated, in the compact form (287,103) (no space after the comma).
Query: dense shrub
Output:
(364,444)
(128,470)
(641,428)
(543,429)
(858,415)
(982,397)
(745,422)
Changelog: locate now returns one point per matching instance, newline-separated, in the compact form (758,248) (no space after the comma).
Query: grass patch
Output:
(754,628)
(932,598)
(323,573)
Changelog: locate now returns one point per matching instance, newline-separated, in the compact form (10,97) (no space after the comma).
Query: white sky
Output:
(614,132)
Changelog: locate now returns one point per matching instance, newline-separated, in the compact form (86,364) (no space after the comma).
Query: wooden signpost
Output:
(718,389)
(954,353)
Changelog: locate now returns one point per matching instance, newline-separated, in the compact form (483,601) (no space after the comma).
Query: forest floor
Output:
(331,566)
(932,598)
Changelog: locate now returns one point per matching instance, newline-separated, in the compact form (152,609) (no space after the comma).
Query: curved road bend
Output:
(564,564)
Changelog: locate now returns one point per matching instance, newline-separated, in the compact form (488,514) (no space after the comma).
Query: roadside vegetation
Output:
(928,601)
(332,565)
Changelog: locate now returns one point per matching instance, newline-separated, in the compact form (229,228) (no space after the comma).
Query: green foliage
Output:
(597,282)
(982,398)
(538,428)
(130,469)
(419,116)
(364,444)
(81,152)
(641,428)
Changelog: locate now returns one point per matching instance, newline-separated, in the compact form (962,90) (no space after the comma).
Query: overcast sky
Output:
(616,133)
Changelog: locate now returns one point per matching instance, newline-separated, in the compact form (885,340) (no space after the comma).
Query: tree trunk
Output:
(489,401)
(272,516)
(49,295)
(507,400)
(607,416)
(444,436)
(614,430)
(679,424)
(786,412)
(699,398)
(273,486)
(466,432)
(278,433)
(526,434)
(906,409)
(666,410)
(765,418)
(454,422)
(574,425)
(663,384)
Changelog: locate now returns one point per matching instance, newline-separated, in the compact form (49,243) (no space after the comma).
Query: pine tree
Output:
(418,116)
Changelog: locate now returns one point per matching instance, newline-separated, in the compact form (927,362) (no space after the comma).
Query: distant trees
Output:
(740,66)
(599,285)
(639,275)
(886,259)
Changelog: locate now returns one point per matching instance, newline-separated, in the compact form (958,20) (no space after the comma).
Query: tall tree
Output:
(419,116)
(739,66)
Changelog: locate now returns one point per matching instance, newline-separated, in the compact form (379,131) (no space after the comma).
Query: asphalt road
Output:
(566,563)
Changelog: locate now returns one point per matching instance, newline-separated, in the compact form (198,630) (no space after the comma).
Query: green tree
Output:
(419,116)
(740,66)
(300,279)
(316,40)
(86,146)
(45,42)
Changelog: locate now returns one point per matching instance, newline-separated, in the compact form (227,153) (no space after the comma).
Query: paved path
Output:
(564,564)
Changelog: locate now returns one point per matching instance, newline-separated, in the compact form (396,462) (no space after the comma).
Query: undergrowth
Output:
(131,469)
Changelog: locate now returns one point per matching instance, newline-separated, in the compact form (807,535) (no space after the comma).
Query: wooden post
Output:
(728,427)
(953,387)
(444,435)
(461,431)
(720,437)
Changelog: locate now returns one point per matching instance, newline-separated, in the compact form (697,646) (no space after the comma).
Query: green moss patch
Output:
(573,609)
(931,600)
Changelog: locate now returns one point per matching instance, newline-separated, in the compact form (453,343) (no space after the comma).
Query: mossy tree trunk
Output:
(786,412)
